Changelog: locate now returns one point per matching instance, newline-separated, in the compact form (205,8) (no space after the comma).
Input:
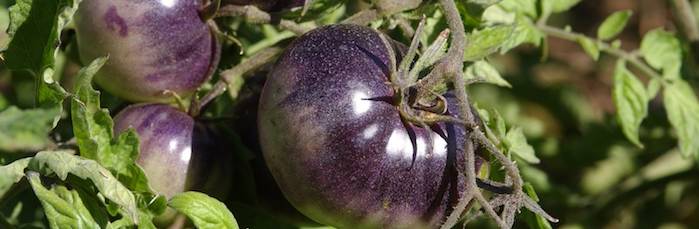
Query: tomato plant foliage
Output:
(63,166)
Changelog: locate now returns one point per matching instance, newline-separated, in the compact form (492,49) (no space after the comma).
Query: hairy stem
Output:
(603,46)
(254,15)
(363,17)
(452,66)
(255,61)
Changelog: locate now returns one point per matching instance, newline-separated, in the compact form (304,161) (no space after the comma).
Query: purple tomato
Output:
(153,46)
(165,135)
(335,143)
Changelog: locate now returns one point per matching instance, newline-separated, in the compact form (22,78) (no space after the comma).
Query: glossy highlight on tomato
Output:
(337,147)
(153,46)
(165,136)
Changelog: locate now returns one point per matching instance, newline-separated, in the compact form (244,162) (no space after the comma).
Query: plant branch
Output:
(685,19)
(363,17)
(603,46)
(255,61)
(254,15)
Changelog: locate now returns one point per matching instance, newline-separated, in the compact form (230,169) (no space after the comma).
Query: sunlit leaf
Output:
(682,109)
(204,211)
(613,25)
(662,50)
(631,101)
(483,71)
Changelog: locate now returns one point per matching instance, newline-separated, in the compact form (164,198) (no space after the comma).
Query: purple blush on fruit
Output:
(337,147)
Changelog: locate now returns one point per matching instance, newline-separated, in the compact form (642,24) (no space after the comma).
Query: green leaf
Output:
(683,112)
(205,212)
(483,71)
(34,31)
(662,50)
(613,25)
(517,145)
(92,127)
(558,6)
(590,47)
(654,86)
(432,54)
(534,220)
(524,33)
(11,174)
(35,27)
(631,101)
(26,130)
(63,208)
(62,163)
(482,43)
(526,7)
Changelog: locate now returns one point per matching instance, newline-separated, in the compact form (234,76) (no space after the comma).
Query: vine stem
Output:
(254,15)
(632,59)
(453,64)
(255,61)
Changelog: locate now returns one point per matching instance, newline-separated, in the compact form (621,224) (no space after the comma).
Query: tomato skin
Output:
(337,147)
(165,144)
(153,46)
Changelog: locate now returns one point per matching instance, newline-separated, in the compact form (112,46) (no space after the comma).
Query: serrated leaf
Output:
(11,174)
(483,71)
(613,25)
(590,47)
(682,109)
(517,145)
(526,7)
(496,15)
(631,101)
(204,211)
(662,50)
(35,27)
(26,130)
(523,33)
(432,54)
(34,31)
(482,43)
(59,212)
(62,163)
(93,129)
